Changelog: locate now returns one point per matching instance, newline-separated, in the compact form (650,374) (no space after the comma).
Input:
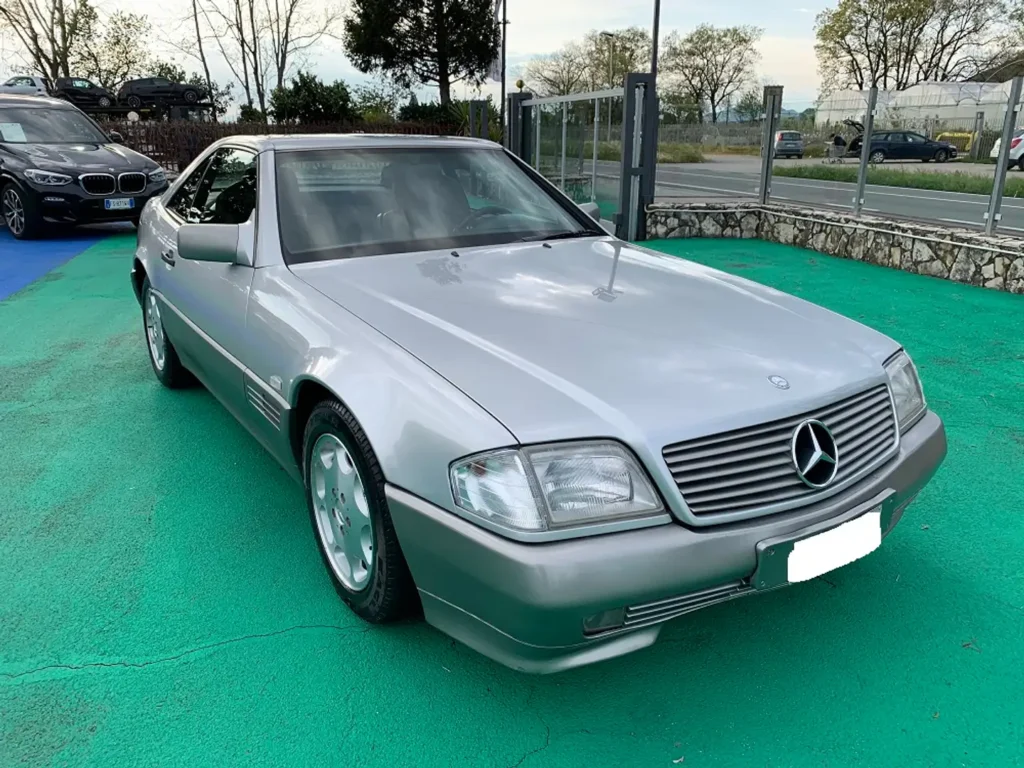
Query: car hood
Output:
(595,337)
(80,158)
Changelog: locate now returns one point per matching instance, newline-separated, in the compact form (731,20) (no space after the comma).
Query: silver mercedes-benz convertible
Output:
(549,440)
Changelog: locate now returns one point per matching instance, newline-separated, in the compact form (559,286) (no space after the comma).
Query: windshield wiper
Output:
(560,236)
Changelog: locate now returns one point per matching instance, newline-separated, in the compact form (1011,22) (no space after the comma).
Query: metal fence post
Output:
(979,126)
(995,200)
(536,152)
(865,151)
(597,124)
(772,113)
(565,124)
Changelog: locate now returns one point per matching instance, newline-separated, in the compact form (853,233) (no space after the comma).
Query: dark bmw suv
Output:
(57,165)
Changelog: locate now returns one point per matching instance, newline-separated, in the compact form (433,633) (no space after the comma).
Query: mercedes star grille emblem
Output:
(779,382)
(815,454)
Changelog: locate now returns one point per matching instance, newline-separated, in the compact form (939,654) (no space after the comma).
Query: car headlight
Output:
(47,178)
(551,487)
(158,176)
(906,389)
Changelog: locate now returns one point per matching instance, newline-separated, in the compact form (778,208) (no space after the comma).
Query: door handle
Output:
(168,258)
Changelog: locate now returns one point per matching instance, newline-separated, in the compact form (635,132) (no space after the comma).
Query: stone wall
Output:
(955,254)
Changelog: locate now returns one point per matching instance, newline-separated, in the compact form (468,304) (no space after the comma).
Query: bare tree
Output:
(713,63)
(115,50)
(264,41)
(293,27)
(48,31)
(562,72)
(894,45)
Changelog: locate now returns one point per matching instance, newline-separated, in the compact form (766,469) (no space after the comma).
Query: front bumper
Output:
(524,604)
(71,205)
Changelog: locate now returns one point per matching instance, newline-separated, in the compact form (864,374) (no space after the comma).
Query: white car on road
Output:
(1016,156)
(27,85)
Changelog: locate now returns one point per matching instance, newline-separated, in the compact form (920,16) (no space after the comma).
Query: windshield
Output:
(47,126)
(343,203)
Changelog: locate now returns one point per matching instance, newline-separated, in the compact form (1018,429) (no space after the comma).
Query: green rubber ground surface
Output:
(162,602)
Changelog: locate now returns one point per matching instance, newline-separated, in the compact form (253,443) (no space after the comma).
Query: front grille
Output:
(98,183)
(132,183)
(658,611)
(751,470)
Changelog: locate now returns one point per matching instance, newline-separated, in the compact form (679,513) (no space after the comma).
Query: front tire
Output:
(105,102)
(20,212)
(878,156)
(941,156)
(134,102)
(162,356)
(191,97)
(350,517)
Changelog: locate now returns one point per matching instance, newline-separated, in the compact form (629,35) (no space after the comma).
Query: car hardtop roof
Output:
(292,142)
(31,101)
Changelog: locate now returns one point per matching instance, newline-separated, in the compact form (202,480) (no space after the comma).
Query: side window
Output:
(159,81)
(81,84)
(914,138)
(181,202)
(227,194)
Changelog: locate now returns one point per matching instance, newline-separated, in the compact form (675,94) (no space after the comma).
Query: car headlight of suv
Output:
(553,487)
(906,390)
(158,176)
(47,178)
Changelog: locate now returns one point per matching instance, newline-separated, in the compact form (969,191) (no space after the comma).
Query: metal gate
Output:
(594,146)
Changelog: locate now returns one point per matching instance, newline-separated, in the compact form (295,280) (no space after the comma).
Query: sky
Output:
(541,26)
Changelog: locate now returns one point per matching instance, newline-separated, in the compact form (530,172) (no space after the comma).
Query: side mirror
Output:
(592,210)
(116,137)
(208,242)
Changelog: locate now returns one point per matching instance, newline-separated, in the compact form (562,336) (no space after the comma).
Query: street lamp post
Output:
(611,74)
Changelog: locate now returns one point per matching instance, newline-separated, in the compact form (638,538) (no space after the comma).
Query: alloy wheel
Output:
(342,512)
(155,332)
(14,212)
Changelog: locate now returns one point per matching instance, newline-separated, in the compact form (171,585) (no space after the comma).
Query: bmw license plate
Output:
(119,204)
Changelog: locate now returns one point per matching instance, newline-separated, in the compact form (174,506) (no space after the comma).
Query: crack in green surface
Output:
(136,522)
(176,656)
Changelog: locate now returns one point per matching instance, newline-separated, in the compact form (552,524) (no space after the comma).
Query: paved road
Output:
(739,177)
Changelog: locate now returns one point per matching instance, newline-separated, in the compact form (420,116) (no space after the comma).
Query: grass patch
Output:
(890,177)
(667,152)
(735,150)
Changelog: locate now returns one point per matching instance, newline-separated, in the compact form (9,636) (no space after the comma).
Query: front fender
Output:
(416,421)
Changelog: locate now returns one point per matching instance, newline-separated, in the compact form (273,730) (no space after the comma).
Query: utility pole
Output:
(504,34)
(610,37)
(654,44)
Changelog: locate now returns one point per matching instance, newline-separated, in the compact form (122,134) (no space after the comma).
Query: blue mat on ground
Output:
(24,261)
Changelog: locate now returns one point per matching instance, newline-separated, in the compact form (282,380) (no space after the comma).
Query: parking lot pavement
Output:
(23,262)
(162,602)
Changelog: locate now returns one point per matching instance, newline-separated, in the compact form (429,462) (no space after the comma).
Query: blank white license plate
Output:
(119,204)
(815,555)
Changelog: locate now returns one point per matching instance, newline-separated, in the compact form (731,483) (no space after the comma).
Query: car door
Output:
(162,89)
(207,300)
(24,85)
(84,92)
(919,147)
(900,147)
